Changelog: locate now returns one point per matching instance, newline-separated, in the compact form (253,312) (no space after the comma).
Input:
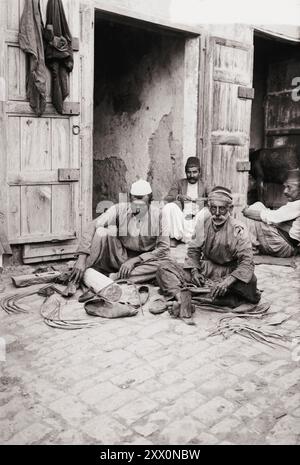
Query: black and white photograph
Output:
(149,226)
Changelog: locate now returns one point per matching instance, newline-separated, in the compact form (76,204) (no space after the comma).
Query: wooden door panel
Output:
(36,210)
(14,211)
(35,144)
(13,144)
(226,116)
(232,62)
(226,141)
(62,209)
(61,143)
(282,114)
(40,206)
(16,73)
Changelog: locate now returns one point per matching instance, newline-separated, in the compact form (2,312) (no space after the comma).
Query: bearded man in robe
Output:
(220,253)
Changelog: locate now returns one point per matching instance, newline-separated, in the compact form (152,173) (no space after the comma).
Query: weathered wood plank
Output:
(190,107)
(21,178)
(49,258)
(243,166)
(42,238)
(246,92)
(14,144)
(232,64)
(13,70)
(228,138)
(62,209)
(13,14)
(32,251)
(68,174)
(224,160)
(36,210)
(35,144)
(282,132)
(21,108)
(229,112)
(87,92)
(60,136)
(281,75)
(36,278)
(282,112)
(12,37)
(14,212)
(3,120)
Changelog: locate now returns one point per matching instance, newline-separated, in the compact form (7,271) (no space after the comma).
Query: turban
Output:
(140,188)
(221,193)
(192,162)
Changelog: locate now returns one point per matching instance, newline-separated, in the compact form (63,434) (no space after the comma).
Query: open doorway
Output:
(140,93)
(275,119)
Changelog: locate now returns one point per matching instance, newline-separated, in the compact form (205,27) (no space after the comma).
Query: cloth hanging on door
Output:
(58,51)
(31,42)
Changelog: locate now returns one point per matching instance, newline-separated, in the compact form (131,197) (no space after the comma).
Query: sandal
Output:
(159,306)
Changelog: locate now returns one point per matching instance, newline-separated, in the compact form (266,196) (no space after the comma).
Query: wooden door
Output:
(227,115)
(42,154)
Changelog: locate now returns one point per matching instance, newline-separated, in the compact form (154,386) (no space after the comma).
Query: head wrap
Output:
(140,188)
(192,162)
(221,193)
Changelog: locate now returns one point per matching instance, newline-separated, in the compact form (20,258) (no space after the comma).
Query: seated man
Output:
(129,238)
(185,200)
(221,252)
(277,232)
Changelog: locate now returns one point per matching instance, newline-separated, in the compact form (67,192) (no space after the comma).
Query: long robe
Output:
(117,235)
(278,232)
(216,253)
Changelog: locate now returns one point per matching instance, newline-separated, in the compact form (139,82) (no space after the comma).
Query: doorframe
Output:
(193,92)
(3,120)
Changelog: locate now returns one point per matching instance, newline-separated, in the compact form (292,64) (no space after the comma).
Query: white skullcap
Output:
(140,187)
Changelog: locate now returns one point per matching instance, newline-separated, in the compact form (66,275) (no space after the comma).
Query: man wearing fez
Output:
(184,202)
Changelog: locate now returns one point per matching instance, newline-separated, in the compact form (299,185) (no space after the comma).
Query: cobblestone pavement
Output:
(152,379)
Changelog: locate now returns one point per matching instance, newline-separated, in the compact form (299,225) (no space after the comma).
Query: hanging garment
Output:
(31,42)
(58,52)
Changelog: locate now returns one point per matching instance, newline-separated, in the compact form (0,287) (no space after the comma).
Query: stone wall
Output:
(138,109)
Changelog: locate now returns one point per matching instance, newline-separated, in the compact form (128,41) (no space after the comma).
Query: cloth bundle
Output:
(56,53)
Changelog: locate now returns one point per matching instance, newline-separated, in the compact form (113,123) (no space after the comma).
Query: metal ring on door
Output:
(76,129)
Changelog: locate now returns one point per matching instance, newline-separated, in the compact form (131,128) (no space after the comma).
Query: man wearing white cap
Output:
(221,252)
(130,239)
(277,232)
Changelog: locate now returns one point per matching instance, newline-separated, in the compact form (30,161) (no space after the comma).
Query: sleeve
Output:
(245,268)
(162,246)
(195,247)
(173,192)
(108,218)
(287,212)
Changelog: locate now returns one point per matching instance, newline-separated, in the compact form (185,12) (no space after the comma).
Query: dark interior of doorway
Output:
(275,119)
(138,66)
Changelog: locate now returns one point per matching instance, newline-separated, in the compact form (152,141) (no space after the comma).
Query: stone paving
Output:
(151,379)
